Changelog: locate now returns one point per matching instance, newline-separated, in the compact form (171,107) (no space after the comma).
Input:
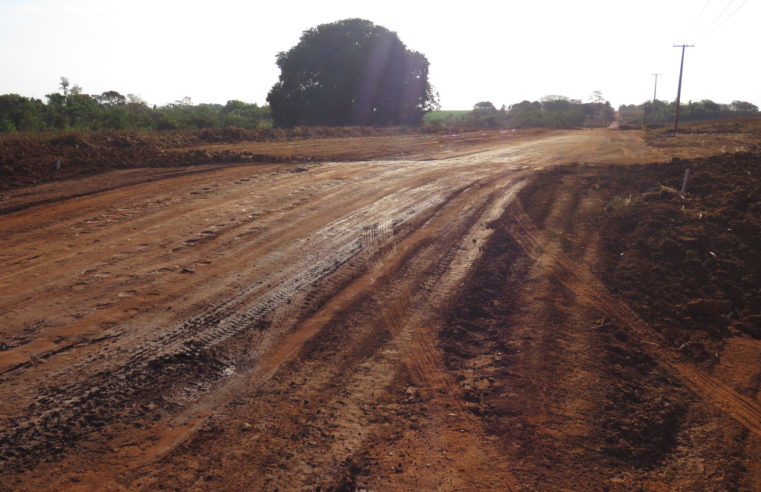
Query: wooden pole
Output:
(679,88)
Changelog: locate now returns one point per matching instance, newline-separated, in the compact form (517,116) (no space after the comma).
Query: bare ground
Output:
(452,319)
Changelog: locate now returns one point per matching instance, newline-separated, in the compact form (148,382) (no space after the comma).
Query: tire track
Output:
(579,280)
(172,354)
(417,233)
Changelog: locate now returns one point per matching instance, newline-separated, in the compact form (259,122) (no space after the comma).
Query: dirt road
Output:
(338,325)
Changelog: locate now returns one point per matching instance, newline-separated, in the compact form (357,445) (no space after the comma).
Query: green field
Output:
(443,115)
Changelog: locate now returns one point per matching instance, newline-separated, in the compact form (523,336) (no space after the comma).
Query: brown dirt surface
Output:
(722,136)
(386,312)
(28,159)
(690,262)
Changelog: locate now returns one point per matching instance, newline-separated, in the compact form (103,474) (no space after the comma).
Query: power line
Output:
(695,20)
(713,22)
(727,18)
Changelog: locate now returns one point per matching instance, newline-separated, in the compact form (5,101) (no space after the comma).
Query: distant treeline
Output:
(71,109)
(550,112)
(562,112)
(662,112)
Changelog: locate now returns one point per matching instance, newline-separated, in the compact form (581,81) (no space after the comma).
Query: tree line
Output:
(346,73)
(563,112)
(661,113)
(72,109)
(550,112)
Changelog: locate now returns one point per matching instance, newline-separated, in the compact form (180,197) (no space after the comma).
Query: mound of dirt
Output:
(689,263)
(736,135)
(34,158)
(558,370)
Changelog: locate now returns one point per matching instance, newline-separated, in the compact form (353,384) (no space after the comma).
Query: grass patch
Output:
(442,116)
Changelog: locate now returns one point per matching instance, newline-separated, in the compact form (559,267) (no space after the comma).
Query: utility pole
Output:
(679,89)
(654,92)
(655,89)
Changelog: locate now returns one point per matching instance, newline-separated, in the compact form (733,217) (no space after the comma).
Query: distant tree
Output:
(64,86)
(204,116)
(243,115)
(743,107)
(525,106)
(484,107)
(139,115)
(84,112)
(597,98)
(555,103)
(185,102)
(111,98)
(163,121)
(710,107)
(17,113)
(526,114)
(485,114)
(56,115)
(598,111)
(135,99)
(350,72)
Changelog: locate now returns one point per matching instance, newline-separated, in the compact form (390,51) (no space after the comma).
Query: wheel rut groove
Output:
(412,324)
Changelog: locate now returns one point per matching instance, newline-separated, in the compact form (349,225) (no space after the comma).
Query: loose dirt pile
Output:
(689,263)
(693,139)
(28,159)
(33,158)
(571,383)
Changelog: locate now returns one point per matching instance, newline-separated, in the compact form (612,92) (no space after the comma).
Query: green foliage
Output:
(561,112)
(111,110)
(351,72)
(662,113)
(18,113)
(550,112)
(743,107)
(485,107)
(111,99)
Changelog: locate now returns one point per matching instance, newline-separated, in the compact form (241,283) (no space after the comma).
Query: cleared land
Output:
(461,315)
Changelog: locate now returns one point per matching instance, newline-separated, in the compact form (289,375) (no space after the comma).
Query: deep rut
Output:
(577,278)
(388,325)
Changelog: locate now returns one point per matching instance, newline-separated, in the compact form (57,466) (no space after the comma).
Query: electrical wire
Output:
(711,25)
(695,20)
(727,19)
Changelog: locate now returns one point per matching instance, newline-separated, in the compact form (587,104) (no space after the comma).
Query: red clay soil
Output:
(28,159)
(629,394)
(459,319)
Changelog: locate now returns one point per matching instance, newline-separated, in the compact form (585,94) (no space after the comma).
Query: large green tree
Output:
(351,72)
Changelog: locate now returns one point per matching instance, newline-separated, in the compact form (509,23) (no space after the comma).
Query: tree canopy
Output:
(110,110)
(662,112)
(484,107)
(350,72)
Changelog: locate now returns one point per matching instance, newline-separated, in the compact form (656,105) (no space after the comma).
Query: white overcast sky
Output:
(500,51)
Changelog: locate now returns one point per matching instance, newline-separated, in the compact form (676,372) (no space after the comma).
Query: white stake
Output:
(684,181)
